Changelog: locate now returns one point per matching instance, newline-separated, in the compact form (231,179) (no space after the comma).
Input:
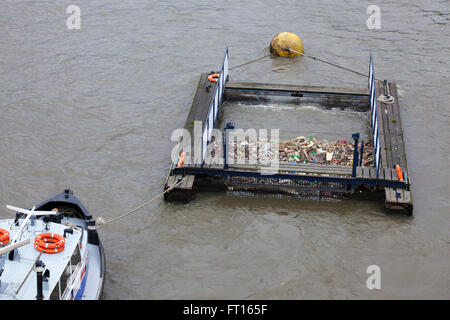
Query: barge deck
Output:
(318,181)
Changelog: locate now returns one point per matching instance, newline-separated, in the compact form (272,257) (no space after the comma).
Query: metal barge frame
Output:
(316,181)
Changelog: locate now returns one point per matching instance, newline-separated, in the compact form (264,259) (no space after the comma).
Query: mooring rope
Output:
(101,221)
(385,99)
(308,56)
(251,61)
(28,274)
(330,63)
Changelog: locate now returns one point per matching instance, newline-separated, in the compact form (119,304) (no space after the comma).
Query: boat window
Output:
(76,257)
(65,276)
(70,268)
(55,293)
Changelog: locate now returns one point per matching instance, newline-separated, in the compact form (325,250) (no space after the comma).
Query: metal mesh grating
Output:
(302,188)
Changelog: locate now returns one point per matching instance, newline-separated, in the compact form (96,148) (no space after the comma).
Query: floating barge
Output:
(388,175)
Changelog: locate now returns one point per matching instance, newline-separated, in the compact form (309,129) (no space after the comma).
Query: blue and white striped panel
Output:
(371,77)
(205,140)
(225,66)
(216,104)
(374,117)
(373,102)
(378,158)
(214,107)
(377,146)
(372,93)
(220,85)
(211,123)
(375,133)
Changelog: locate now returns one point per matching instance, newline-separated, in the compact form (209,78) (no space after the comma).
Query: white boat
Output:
(51,252)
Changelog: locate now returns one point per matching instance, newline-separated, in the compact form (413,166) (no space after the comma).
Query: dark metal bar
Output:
(386,88)
(361,150)
(39,278)
(295,93)
(347,180)
(355,137)
(229,125)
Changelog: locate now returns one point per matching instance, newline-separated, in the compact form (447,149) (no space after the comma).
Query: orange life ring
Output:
(4,236)
(49,242)
(56,250)
(213,77)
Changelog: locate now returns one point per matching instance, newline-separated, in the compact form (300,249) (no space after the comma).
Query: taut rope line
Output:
(309,56)
(100,221)
(330,63)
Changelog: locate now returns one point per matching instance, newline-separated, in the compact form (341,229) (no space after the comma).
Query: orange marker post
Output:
(399,172)
(181,161)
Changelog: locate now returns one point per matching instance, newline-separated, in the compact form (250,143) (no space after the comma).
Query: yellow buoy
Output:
(284,41)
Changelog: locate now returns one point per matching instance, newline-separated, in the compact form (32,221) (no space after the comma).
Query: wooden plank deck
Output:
(201,102)
(392,148)
(371,173)
(391,132)
(397,198)
(183,192)
(197,112)
(187,181)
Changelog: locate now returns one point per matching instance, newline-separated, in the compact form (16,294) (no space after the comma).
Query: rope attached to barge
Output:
(100,221)
(308,56)
(330,63)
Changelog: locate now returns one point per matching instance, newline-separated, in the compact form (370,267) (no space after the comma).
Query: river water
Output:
(93,109)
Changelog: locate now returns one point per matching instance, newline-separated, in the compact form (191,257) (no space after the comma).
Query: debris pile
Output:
(298,150)
(309,150)
(253,150)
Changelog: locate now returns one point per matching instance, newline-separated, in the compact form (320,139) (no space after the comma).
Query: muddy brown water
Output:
(93,109)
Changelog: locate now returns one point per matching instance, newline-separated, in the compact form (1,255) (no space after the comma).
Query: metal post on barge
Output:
(355,137)
(229,126)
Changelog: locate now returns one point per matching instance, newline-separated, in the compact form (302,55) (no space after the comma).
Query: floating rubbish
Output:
(339,152)
(329,156)
(300,150)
